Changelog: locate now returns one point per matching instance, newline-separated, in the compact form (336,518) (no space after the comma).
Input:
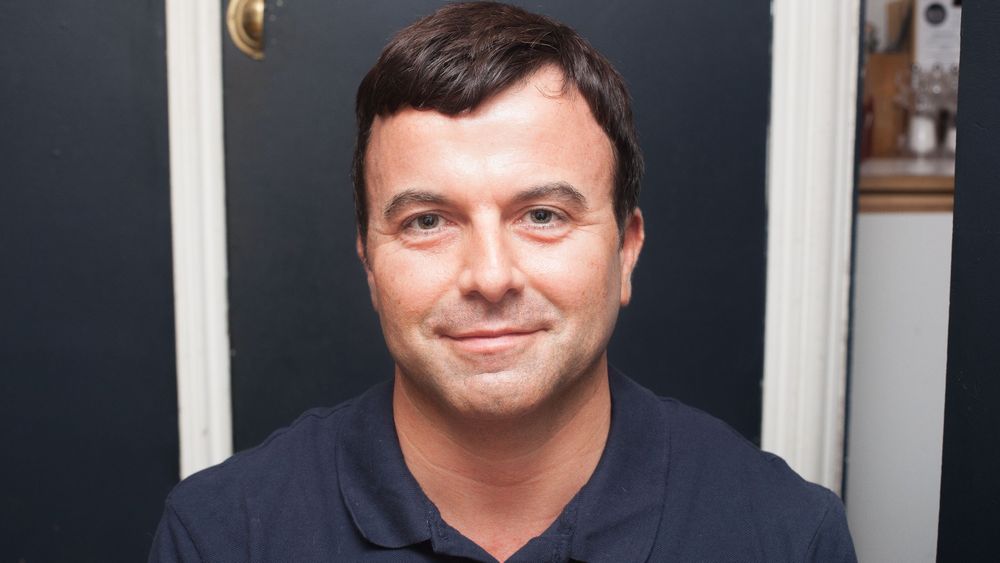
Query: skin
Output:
(495,264)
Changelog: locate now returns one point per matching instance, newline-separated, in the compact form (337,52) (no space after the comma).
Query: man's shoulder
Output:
(274,490)
(720,482)
(290,454)
(703,450)
(703,444)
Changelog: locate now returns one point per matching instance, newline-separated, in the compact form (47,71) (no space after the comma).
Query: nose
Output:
(489,267)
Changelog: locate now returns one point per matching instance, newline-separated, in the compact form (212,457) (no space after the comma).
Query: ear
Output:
(632,238)
(359,247)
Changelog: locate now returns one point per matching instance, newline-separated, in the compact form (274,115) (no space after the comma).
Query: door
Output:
(970,491)
(88,404)
(302,329)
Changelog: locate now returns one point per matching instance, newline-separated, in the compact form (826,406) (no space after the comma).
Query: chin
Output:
(495,386)
(501,394)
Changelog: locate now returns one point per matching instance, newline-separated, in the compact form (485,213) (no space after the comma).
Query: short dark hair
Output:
(463,54)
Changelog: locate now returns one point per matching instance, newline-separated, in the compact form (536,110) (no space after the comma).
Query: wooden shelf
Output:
(906,185)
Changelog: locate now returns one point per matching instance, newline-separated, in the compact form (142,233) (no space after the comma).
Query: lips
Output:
(490,340)
(489,333)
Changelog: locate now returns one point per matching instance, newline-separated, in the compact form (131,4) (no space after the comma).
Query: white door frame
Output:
(198,213)
(810,225)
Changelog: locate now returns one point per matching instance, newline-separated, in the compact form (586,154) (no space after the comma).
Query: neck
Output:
(503,481)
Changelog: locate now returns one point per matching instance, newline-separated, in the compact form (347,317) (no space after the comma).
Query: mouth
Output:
(490,341)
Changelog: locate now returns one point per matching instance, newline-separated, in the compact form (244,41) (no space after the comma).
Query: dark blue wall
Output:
(88,411)
(970,470)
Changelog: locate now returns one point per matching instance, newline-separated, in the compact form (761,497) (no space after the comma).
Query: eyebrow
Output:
(406,198)
(562,191)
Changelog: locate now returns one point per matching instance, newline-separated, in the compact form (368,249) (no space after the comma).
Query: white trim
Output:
(197,190)
(810,187)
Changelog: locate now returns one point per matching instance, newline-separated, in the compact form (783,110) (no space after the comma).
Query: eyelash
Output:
(410,224)
(557,217)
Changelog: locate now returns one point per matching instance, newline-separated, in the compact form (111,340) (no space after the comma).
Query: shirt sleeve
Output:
(832,542)
(172,542)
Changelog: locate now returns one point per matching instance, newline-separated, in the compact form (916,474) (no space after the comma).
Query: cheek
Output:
(408,285)
(580,279)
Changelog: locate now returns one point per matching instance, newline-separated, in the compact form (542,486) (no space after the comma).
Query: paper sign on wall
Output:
(937,31)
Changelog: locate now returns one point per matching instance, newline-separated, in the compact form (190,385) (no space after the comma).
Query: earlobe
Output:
(632,239)
(359,247)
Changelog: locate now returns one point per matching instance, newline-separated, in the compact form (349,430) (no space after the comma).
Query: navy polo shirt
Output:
(673,484)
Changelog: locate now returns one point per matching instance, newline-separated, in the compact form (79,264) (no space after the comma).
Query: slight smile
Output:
(491,341)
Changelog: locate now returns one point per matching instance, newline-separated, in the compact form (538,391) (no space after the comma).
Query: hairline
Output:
(558,45)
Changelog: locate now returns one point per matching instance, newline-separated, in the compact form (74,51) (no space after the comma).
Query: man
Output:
(496,179)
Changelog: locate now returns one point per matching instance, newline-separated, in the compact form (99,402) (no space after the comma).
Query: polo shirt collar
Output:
(614,517)
(619,509)
(383,497)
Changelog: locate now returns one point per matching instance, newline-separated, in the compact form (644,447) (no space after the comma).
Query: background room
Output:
(821,269)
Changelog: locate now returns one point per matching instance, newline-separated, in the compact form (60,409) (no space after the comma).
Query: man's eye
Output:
(426,222)
(541,216)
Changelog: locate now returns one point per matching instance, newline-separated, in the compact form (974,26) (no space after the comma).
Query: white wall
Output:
(875,15)
(896,414)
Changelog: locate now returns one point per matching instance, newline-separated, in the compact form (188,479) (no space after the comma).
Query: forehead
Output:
(536,131)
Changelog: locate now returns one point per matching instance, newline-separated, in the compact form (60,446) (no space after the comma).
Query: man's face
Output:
(493,254)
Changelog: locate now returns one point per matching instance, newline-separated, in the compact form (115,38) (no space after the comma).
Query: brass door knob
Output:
(245,20)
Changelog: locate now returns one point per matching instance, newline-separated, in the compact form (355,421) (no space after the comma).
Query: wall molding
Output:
(810,215)
(197,195)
